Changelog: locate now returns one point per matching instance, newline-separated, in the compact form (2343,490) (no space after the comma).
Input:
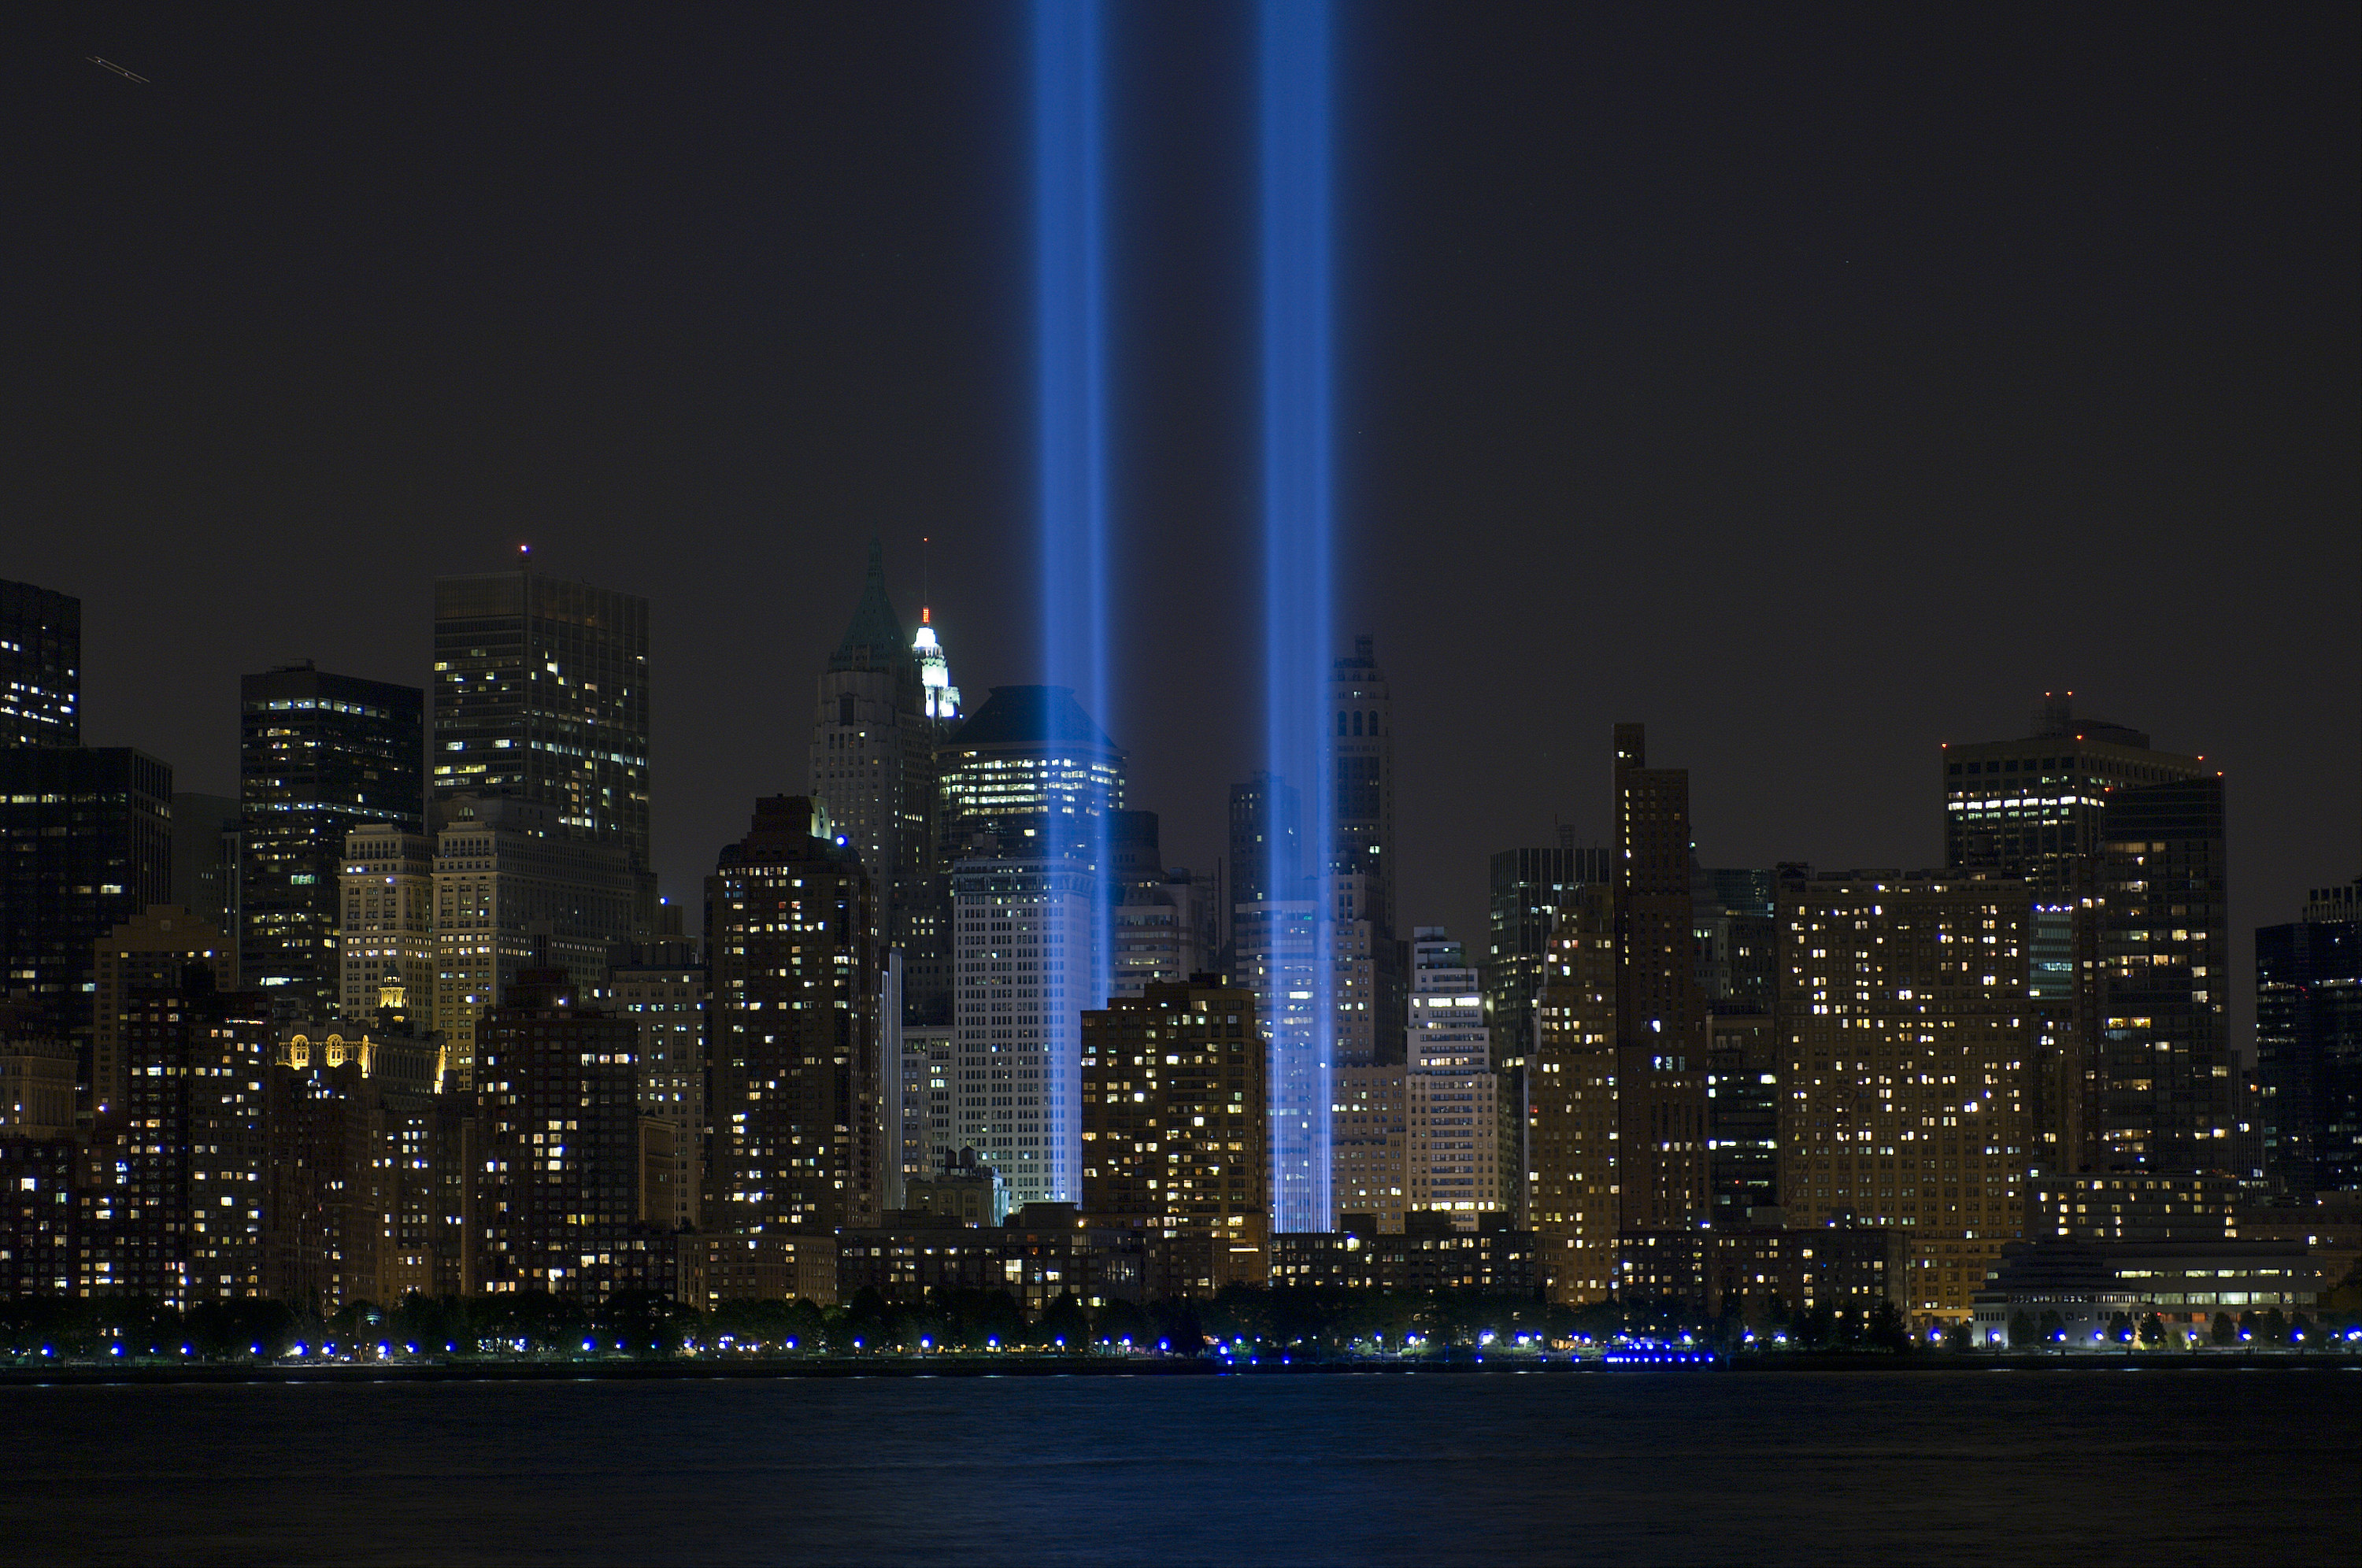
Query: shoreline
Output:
(902,1367)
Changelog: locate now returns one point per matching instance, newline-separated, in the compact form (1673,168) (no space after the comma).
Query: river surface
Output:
(1993,1468)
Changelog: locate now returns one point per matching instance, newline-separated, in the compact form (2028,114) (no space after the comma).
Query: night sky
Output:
(1814,387)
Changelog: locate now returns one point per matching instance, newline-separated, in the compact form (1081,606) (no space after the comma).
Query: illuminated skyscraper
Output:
(1173,1133)
(1574,1198)
(798,1098)
(386,923)
(541,692)
(1362,742)
(1030,774)
(2019,805)
(85,844)
(2309,1044)
(662,986)
(320,754)
(150,952)
(884,703)
(1904,1016)
(1461,1150)
(1660,1042)
(40,666)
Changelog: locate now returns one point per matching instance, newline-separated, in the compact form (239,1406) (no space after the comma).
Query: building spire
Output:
(874,639)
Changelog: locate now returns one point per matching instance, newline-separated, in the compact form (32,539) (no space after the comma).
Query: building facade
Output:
(1662,1045)
(2309,1045)
(1575,1145)
(1025,933)
(85,844)
(40,666)
(386,924)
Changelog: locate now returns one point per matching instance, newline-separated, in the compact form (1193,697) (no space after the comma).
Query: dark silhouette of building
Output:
(2309,1044)
(319,755)
(1362,764)
(1662,1045)
(86,843)
(40,666)
(207,833)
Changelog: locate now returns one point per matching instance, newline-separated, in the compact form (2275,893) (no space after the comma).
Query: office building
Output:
(1025,933)
(40,666)
(1743,1117)
(1031,776)
(559,1208)
(512,892)
(798,1098)
(1730,922)
(2017,805)
(2162,1071)
(541,693)
(85,844)
(885,705)
(1369,1142)
(1661,1044)
(1175,1129)
(1361,761)
(2309,1045)
(1525,888)
(148,953)
(661,985)
(1464,1144)
(385,931)
(1266,841)
(319,755)
(1905,1013)
(1574,1141)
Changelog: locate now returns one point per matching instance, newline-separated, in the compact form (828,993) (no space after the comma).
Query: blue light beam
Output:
(1297,495)
(1070,323)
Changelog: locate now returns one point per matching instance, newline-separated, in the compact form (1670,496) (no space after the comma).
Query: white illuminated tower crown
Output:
(941,696)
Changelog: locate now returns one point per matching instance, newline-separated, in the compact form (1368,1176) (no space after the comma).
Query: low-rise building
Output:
(1428,1256)
(2070,1292)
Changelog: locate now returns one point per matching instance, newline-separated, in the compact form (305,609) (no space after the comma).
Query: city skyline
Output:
(1590,470)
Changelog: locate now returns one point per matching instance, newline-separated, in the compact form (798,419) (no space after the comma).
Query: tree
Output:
(2023,1331)
(2152,1331)
(1064,1320)
(2226,1332)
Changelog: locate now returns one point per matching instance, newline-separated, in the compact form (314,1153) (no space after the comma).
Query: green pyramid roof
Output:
(876,639)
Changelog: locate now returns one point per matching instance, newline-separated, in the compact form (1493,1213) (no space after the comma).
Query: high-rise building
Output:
(797,1101)
(1369,1141)
(2163,1076)
(369,1192)
(513,892)
(2015,805)
(559,1208)
(1030,774)
(149,953)
(1361,760)
(1163,919)
(1025,932)
(172,1205)
(1731,923)
(385,931)
(36,1075)
(1573,1145)
(208,833)
(2309,1044)
(40,666)
(541,692)
(319,755)
(1527,889)
(662,986)
(1173,1137)
(1905,1016)
(1661,1042)
(930,1101)
(1743,1117)
(1459,1158)
(885,704)
(85,844)
(1267,840)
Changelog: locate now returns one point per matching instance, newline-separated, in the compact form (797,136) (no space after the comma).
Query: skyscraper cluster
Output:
(409,1015)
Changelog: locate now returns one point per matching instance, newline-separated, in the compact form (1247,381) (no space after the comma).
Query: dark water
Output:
(1914,1468)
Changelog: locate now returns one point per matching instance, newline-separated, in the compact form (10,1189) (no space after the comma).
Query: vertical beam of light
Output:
(1296,499)
(1071,391)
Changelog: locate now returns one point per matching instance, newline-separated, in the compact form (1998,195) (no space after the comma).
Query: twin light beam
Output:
(1070,240)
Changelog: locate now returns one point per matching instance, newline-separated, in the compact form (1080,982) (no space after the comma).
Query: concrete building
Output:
(1369,1131)
(661,985)
(386,924)
(960,1188)
(1176,1132)
(1662,1045)
(558,1207)
(146,952)
(1575,1143)
(2087,1294)
(1465,1140)
(512,892)
(799,1097)
(1904,1015)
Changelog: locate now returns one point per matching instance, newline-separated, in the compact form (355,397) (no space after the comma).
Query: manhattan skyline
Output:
(1665,396)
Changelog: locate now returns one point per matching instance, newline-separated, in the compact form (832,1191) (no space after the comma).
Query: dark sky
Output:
(1815,386)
